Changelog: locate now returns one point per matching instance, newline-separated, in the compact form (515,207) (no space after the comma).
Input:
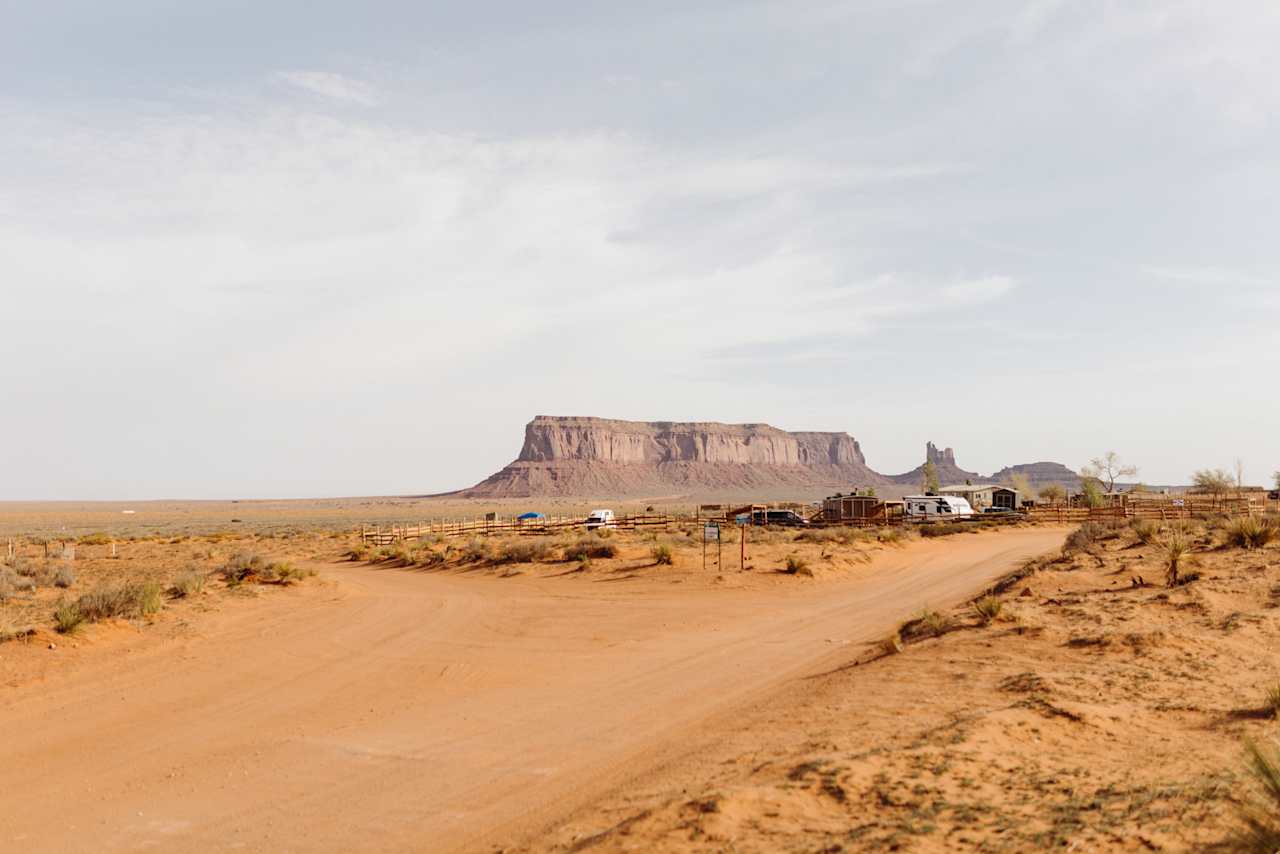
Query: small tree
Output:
(1022,484)
(1107,469)
(1215,482)
(1091,488)
(1053,493)
(930,474)
(1275,478)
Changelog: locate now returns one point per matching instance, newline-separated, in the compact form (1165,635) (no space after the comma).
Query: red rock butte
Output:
(574,456)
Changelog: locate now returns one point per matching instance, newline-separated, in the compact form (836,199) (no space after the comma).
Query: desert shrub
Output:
(1083,538)
(427,556)
(476,550)
(841,535)
(22,584)
(942,529)
(1145,530)
(661,554)
(359,553)
(68,617)
(1251,532)
(797,565)
(525,550)
(25,567)
(240,568)
(188,583)
(98,538)
(122,600)
(935,623)
(988,608)
(283,573)
(1175,549)
(64,576)
(590,547)
(1261,816)
(889,535)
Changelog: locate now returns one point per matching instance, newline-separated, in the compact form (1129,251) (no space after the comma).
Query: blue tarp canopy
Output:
(530,516)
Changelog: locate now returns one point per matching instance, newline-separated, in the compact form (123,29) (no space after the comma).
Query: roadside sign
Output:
(711,533)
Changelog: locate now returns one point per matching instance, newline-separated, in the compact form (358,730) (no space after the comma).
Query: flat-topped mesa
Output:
(564,456)
(549,438)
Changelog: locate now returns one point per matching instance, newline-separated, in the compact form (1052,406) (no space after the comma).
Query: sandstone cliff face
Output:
(599,456)
(549,438)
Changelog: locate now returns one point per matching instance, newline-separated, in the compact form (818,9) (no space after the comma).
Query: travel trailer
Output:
(600,519)
(937,506)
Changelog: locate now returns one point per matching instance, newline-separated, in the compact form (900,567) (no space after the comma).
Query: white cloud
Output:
(330,85)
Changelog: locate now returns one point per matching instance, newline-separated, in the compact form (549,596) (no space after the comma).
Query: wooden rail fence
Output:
(382,536)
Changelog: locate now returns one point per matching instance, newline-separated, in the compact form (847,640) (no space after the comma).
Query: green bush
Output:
(661,554)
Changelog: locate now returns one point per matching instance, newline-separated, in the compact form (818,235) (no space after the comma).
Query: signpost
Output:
(710,534)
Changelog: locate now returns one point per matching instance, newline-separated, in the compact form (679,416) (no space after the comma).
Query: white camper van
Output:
(937,506)
(600,519)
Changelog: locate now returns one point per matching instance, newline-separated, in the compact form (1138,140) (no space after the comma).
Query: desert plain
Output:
(277,684)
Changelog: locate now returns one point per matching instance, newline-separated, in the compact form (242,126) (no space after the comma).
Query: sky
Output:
(295,249)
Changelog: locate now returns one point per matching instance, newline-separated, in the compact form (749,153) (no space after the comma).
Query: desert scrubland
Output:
(285,686)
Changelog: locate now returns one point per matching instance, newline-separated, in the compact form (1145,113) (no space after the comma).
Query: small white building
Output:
(984,495)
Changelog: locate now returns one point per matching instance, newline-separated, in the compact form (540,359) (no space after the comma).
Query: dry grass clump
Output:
(1273,700)
(1251,532)
(797,566)
(64,576)
(98,538)
(935,623)
(1261,832)
(139,599)
(590,548)
(359,553)
(890,535)
(944,529)
(189,583)
(476,550)
(1084,538)
(987,609)
(843,535)
(1145,530)
(240,568)
(661,554)
(283,573)
(525,550)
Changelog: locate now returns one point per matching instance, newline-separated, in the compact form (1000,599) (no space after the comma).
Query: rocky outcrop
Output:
(599,456)
(944,462)
(581,457)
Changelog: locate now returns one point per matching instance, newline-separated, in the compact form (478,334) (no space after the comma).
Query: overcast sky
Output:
(312,248)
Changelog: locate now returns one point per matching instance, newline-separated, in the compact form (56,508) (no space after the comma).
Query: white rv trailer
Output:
(937,506)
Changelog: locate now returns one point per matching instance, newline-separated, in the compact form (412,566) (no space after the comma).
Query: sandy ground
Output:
(397,709)
(1091,715)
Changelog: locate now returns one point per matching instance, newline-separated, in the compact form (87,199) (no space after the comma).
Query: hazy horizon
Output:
(292,249)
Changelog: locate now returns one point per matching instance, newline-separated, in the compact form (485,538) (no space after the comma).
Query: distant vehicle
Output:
(600,519)
(936,506)
(998,510)
(1274,495)
(778,517)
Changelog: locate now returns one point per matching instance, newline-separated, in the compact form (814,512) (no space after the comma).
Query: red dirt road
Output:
(409,711)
